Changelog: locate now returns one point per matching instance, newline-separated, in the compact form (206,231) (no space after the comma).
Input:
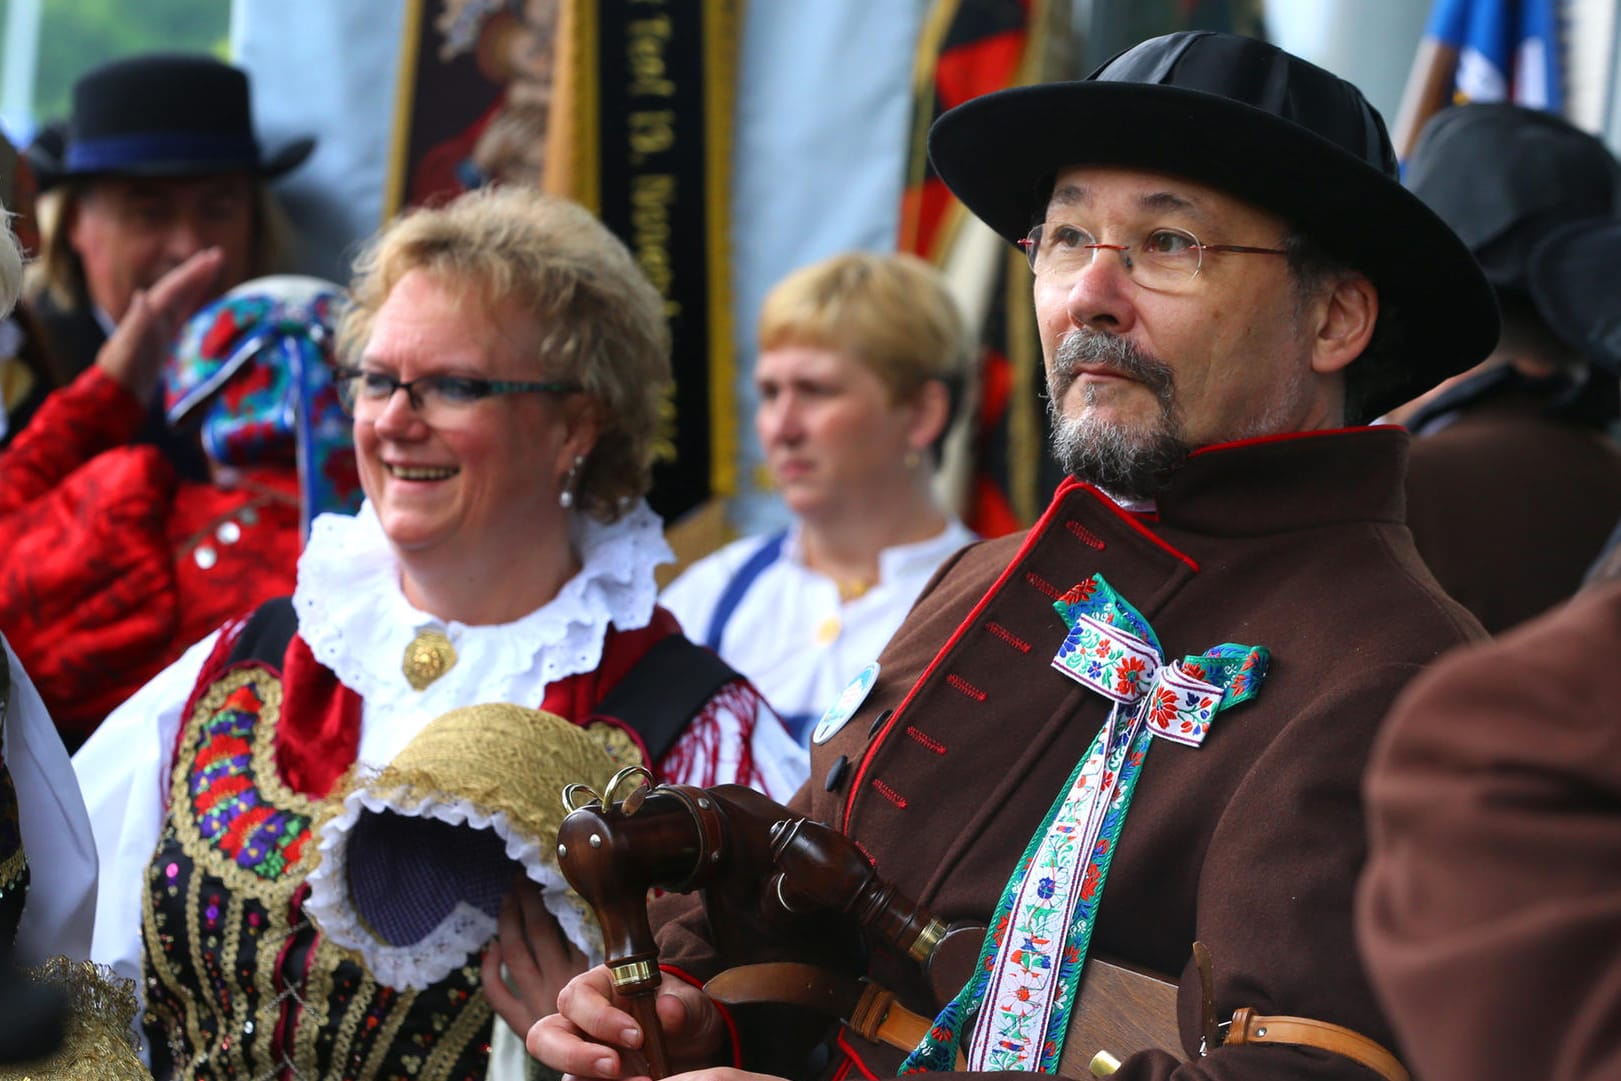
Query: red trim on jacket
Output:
(956,635)
(1131,518)
(1282,437)
(851,1058)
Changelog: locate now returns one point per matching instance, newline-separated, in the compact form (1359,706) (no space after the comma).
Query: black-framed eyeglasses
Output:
(1164,259)
(434,393)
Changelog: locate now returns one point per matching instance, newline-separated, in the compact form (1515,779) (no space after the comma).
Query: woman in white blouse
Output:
(862,364)
(506,361)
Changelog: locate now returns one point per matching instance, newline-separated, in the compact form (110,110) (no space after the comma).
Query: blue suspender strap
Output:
(767,554)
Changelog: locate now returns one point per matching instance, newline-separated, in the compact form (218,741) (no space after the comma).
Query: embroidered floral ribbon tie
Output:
(1029,970)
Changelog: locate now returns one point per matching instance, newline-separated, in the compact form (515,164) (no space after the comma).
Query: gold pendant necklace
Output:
(429,656)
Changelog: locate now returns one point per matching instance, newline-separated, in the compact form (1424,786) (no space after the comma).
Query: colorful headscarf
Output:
(253,370)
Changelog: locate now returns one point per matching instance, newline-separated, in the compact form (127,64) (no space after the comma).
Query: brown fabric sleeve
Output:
(1490,911)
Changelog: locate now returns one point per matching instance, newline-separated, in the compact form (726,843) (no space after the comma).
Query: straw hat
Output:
(416,859)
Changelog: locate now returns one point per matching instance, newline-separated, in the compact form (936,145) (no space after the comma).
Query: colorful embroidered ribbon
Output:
(1029,970)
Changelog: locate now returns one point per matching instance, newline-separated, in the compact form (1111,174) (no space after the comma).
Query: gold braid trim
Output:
(12,868)
(469,1023)
(100,1041)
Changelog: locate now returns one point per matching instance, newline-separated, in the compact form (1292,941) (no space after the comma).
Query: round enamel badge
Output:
(845,706)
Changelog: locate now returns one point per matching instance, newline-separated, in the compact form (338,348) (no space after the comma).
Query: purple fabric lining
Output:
(407,874)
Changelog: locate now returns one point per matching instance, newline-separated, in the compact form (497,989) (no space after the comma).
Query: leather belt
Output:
(870,1010)
(1251,1027)
(873,1014)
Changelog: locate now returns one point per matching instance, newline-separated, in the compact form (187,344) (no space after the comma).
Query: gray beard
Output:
(1131,464)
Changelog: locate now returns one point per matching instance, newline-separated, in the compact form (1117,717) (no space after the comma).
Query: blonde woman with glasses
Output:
(504,361)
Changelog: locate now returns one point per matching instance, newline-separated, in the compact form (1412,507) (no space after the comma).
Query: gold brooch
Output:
(429,656)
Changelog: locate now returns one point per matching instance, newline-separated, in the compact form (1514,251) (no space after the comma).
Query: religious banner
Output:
(625,107)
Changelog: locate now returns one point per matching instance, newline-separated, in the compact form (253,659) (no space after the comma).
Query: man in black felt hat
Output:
(159,162)
(1527,428)
(1144,722)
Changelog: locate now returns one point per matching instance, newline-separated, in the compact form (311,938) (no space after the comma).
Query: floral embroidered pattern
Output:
(232,814)
(238,981)
(1030,968)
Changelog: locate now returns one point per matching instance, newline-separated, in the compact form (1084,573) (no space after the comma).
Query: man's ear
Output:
(1345,317)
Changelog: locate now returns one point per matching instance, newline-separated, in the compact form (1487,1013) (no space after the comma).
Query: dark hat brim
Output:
(50,169)
(999,153)
(1576,285)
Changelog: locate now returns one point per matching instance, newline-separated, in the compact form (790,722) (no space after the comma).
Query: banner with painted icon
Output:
(625,107)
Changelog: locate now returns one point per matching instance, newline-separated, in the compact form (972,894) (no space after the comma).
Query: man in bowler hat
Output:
(159,162)
(1143,723)
(1527,428)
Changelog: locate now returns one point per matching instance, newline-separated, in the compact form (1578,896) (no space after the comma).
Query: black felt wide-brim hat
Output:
(1255,122)
(164,115)
(1575,278)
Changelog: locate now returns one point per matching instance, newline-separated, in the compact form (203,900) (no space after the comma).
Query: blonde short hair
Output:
(601,321)
(889,311)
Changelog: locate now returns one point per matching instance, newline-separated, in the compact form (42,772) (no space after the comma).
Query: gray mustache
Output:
(1113,353)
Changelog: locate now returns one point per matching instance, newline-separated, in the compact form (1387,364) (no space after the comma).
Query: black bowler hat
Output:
(165,115)
(1575,278)
(1504,176)
(1251,120)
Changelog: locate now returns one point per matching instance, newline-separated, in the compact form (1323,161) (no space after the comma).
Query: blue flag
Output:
(1508,50)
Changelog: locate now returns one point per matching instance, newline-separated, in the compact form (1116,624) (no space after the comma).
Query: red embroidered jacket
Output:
(113,566)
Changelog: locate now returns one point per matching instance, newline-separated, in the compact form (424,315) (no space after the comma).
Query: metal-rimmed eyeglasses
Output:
(433,396)
(1166,258)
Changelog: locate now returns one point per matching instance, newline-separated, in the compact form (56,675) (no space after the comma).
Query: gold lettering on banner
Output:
(649,76)
(664,448)
(651,197)
(652,131)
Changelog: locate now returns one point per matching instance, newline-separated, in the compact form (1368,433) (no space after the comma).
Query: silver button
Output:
(205,556)
(228,532)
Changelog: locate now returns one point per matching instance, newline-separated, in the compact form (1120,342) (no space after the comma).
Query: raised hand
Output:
(133,357)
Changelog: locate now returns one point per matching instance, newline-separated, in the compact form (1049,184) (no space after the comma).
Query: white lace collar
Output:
(354,616)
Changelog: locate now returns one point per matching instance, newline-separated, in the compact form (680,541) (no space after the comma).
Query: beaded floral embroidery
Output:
(239,983)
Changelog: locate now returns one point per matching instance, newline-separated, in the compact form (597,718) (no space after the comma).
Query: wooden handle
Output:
(643,1006)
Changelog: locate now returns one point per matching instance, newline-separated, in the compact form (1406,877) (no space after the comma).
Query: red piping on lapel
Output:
(1130,519)
(1281,437)
(962,628)
(1047,516)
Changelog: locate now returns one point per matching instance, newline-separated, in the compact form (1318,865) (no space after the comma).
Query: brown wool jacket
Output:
(1490,912)
(1251,843)
(1509,507)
